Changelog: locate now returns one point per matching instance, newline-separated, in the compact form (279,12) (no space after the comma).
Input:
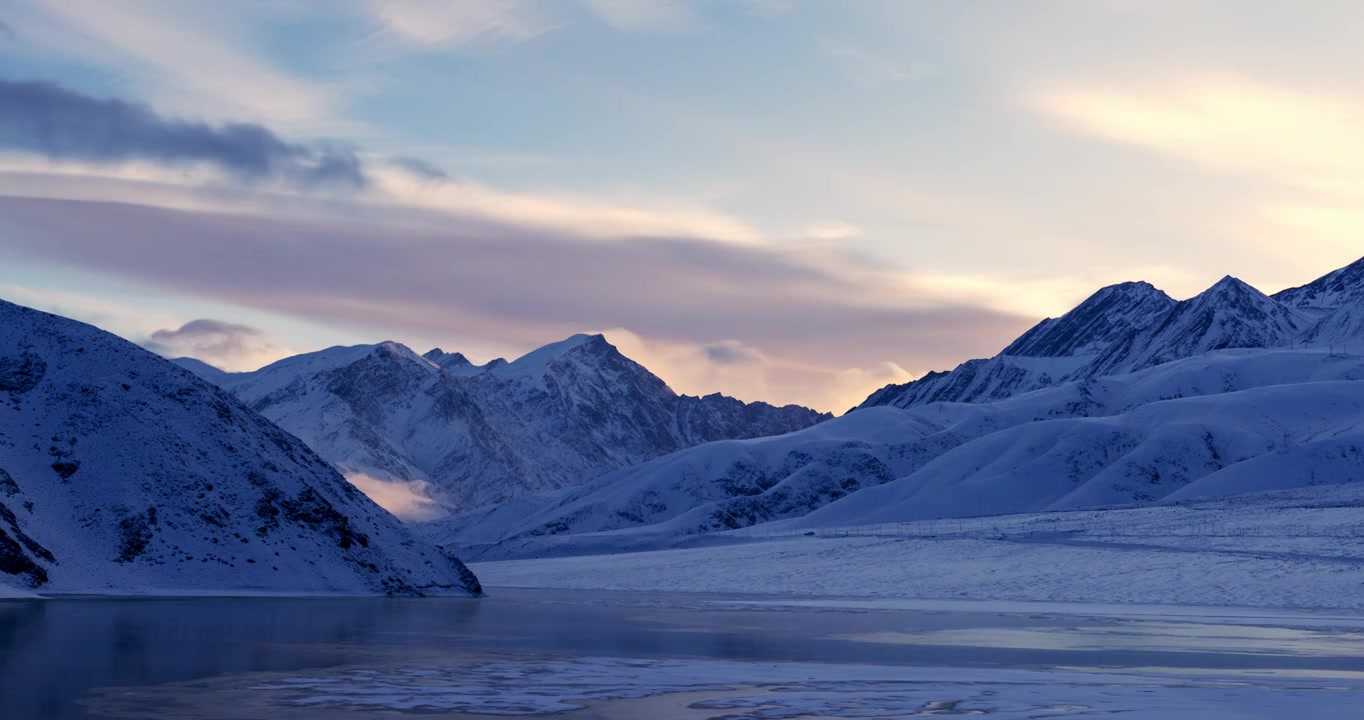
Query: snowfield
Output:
(1299,549)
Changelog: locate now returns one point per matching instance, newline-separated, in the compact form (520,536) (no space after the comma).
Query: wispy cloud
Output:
(459,22)
(57,123)
(1227,123)
(189,58)
(518,285)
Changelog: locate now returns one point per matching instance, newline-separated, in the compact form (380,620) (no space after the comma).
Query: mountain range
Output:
(121,472)
(1132,397)
(1134,326)
(478,435)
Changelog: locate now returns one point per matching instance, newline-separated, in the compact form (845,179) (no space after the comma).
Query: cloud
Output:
(459,22)
(86,140)
(516,285)
(407,500)
(1227,123)
(191,58)
(731,352)
(225,345)
(56,123)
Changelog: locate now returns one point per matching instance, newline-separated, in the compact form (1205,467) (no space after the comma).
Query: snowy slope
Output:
(120,472)
(1341,328)
(554,418)
(1121,439)
(1335,289)
(1275,437)
(719,485)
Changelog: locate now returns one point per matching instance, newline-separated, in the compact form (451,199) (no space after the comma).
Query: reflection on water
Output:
(52,652)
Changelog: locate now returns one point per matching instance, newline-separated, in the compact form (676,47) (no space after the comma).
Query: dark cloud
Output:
(60,124)
(730,353)
(213,341)
(509,284)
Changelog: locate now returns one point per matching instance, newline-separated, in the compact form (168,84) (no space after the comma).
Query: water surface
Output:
(81,658)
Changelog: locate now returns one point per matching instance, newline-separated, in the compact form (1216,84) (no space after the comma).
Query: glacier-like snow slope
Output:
(554,418)
(1203,425)
(123,473)
(1133,326)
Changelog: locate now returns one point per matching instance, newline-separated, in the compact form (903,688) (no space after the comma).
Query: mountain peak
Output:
(399,351)
(1230,283)
(534,363)
(451,362)
(1094,324)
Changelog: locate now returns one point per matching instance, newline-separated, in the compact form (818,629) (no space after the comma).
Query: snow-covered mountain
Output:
(1333,290)
(1050,352)
(1230,314)
(1188,426)
(1107,316)
(1132,326)
(121,472)
(557,417)
(1130,398)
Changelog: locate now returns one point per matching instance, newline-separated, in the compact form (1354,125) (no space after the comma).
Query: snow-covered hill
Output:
(1203,425)
(121,472)
(557,417)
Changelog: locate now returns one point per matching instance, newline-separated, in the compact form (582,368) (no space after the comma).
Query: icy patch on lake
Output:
(783,691)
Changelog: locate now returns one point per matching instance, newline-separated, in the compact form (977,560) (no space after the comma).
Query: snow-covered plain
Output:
(1298,549)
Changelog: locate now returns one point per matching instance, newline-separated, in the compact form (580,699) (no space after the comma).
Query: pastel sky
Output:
(784,200)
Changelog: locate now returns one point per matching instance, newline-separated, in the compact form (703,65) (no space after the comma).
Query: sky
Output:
(783,200)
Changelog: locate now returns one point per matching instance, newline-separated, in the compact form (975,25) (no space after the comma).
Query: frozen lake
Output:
(633,655)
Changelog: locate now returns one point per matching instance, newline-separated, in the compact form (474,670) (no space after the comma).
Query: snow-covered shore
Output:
(9,593)
(1283,550)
